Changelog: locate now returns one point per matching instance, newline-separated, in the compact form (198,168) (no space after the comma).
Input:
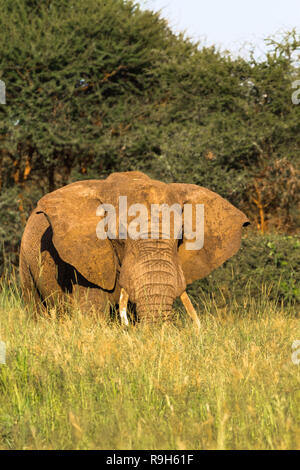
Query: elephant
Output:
(66,252)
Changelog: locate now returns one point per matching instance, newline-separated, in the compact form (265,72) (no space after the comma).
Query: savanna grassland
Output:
(102,86)
(74,382)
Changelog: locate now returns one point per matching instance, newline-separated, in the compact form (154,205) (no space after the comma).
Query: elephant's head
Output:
(151,265)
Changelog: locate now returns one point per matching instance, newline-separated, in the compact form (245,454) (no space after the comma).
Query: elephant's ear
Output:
(218,231)
(71,212)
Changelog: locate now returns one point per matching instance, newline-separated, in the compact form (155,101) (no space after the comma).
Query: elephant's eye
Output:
(180,242)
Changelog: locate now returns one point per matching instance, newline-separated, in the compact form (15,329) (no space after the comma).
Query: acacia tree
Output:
(103,86)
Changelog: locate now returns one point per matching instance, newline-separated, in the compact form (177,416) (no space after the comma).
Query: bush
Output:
(103,86)
(15,208)
(270,262)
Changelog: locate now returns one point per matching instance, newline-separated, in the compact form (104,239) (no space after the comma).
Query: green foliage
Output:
(103,86)
(15,208)
(270,262)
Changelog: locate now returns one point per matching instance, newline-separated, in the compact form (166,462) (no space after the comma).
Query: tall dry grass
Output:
(77,383)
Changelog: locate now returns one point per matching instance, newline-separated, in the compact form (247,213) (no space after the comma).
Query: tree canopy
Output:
(101,86)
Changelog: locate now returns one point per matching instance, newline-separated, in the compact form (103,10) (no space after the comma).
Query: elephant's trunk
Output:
(153,282)
(152,279)
(156,288)
(154,299)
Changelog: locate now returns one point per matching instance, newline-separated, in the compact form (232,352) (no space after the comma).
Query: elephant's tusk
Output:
(190,309)
(123,307)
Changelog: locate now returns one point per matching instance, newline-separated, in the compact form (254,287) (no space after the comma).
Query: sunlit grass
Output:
(78,383)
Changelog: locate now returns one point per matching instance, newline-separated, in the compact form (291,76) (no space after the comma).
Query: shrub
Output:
(271,262)
(103,86)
